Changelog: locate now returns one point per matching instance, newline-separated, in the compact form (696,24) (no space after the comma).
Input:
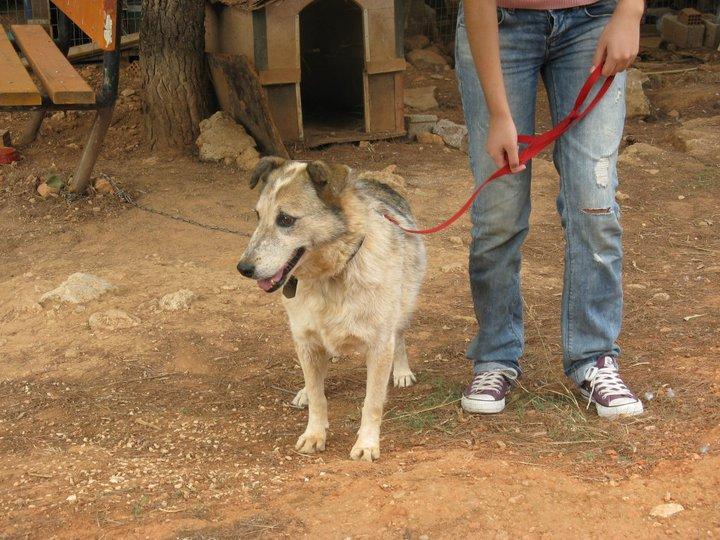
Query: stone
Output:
(450,132)
(416,42)
(661,297)
(620,196)
(674,114)
(102,185)
(422,98)
(177,301)
(112,319)
(640,152)
(224,140)
(128,92)
(46,191)
(419,123)
(666,510)
(424,58)
(699,138)
(636,102)
(78,288)
(426,137)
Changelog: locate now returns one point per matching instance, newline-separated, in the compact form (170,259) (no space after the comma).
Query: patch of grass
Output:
(435,409)
(138,507)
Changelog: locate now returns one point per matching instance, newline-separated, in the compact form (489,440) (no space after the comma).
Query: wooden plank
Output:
(283,102)
(339,137)
(97,18)
(381,102)
(385,66)
(279,76)
(61,82)
(399,101)
(16,86)
(241,96)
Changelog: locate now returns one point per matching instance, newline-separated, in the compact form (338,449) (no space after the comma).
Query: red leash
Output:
(535,144)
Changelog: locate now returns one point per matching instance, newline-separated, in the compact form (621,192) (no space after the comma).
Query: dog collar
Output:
(290,287)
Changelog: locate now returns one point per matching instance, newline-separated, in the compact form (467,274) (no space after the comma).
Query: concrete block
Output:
(683,35)
(419,123)
(712,33)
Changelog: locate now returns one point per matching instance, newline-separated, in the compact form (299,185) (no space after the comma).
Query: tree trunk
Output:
(175,75)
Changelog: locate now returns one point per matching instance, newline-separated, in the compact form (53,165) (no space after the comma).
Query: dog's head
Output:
(298,210)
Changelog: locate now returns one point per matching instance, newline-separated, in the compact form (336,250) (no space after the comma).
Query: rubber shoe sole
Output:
(482,407)
(629,409)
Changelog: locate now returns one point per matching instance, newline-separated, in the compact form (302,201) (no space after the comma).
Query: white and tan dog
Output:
(350,279)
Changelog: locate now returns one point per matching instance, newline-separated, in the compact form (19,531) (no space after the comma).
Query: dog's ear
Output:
(328,180)
(264,167)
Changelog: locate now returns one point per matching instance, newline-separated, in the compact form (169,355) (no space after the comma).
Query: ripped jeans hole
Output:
(597,211)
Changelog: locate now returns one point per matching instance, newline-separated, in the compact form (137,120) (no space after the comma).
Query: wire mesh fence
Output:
(14,12)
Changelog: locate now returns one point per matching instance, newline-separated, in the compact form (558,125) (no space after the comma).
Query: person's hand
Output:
(620,41)
(502,144)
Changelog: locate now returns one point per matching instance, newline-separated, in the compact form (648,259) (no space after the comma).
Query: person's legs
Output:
(500,215)
(586,158)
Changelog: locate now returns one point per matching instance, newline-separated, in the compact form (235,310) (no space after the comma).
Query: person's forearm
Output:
(482,32)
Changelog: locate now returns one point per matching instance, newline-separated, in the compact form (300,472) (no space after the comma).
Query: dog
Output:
(350,279)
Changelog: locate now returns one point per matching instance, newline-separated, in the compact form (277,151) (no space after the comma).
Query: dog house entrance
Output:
(331,69)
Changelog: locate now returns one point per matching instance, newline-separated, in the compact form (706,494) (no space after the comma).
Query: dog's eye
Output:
(284,220)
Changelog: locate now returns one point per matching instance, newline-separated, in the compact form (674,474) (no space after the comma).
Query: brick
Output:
(690,16)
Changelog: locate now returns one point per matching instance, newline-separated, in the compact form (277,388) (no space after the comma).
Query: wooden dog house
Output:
(332,70)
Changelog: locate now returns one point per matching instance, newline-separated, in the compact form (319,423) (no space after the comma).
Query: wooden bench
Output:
(62,87)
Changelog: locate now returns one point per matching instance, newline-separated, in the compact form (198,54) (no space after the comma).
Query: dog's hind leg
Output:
(314,362)
(379,366)
(402,376)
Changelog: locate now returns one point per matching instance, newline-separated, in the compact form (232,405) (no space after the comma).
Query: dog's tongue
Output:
(267,284)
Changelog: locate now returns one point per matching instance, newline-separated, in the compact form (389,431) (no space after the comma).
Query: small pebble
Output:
(649,396)
(669,392)
(705,448)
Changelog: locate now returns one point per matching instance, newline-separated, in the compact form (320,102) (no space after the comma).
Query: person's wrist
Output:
(500,115)
(631,8)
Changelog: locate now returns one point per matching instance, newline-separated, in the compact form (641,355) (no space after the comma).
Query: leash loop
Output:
(534,144)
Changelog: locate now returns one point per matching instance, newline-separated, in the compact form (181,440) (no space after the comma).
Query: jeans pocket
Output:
(603,8)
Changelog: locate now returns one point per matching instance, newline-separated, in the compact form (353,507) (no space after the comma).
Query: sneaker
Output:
(604,387)
(486,393)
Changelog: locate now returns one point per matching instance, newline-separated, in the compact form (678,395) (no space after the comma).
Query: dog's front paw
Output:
(311,442)
(403,379)
(300,401)
(364,451)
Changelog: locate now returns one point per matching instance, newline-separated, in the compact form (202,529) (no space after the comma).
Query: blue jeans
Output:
(557,45)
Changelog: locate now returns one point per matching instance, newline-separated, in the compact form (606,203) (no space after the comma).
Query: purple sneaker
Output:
(486,393)
(604,387)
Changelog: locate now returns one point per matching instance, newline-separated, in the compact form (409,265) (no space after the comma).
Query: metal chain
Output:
(125,197)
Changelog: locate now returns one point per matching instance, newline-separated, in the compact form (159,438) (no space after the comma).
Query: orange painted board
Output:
(61,82)
(97,18)
(16,86)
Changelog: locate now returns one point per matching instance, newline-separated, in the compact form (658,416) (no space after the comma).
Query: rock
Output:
(636,102)
(674,114)
(177,300)
(419,123)
(426,137)
(661,297)
(112,319)
(699,138)
(222,139)
(78,288)
(72,499)
(416,42)
(422,98)
(450,132)
(620,196)
(423,58)
(666,510)
(640,152)
(128,92)
(102,185)
(46,191)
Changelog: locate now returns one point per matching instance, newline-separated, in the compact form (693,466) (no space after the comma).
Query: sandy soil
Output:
(180,426)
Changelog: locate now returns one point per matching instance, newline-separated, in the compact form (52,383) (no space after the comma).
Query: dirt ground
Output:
(180,426)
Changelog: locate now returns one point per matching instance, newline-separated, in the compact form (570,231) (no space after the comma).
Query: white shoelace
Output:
(487,381)
(607,381)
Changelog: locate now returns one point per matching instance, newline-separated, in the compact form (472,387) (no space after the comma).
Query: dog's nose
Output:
(246,269)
